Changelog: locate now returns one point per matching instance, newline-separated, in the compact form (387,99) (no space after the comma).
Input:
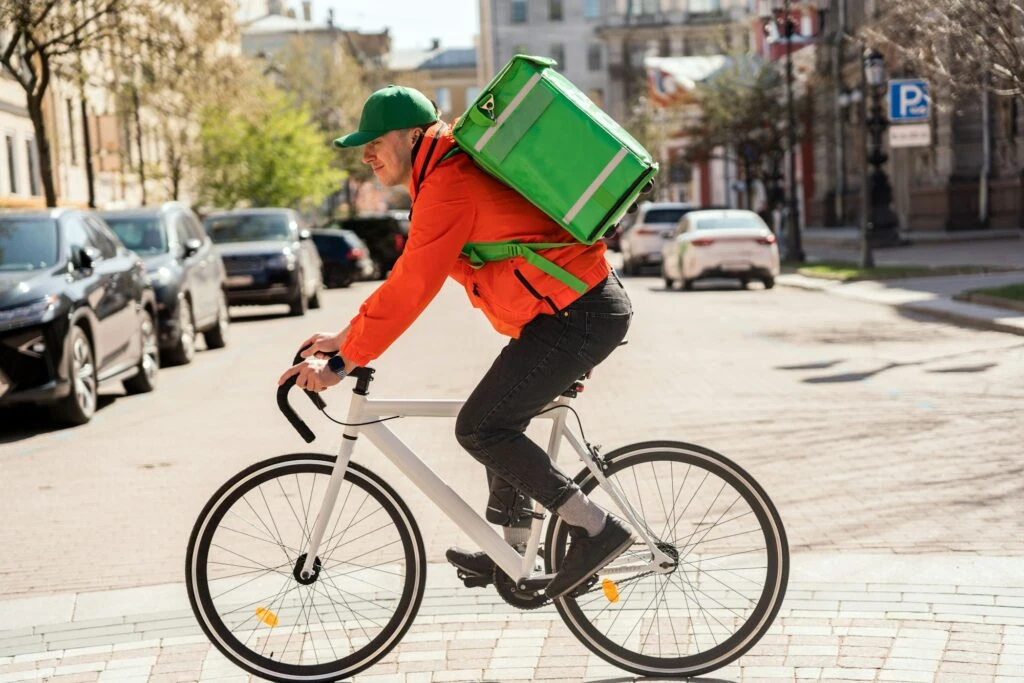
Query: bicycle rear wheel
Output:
(730,573)
(244,556)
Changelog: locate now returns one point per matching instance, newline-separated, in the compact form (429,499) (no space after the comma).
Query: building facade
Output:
(968,178)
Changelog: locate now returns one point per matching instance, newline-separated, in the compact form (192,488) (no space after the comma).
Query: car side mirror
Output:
(192,246)
(87,257)
(305,234)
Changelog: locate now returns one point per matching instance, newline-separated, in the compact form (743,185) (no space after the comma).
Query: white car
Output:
(647,232)
(731,243)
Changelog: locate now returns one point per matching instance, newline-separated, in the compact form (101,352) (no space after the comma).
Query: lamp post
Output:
(880,221)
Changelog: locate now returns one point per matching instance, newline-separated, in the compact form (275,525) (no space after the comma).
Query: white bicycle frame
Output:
(519,567)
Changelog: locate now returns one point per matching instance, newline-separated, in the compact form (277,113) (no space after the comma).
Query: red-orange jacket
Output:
(456,202)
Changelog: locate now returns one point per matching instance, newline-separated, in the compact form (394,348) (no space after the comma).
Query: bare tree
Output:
(965,44)
(37,38)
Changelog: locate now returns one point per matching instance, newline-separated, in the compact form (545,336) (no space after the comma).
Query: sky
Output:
(413,23)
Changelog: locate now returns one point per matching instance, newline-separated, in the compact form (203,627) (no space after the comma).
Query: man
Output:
(557,335)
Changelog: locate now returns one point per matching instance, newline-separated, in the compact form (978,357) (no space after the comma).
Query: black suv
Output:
(186,272)
(269,257)
(384,234)
(345,257)
(76,310)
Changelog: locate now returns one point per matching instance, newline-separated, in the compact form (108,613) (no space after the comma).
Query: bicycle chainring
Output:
(510,593)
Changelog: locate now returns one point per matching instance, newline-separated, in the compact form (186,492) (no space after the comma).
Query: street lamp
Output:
(877,204)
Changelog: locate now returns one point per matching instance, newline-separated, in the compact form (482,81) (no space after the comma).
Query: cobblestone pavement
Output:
(891,445)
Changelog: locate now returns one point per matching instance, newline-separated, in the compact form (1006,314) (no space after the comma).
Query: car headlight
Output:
(160,277)
(281,261)
(35,312)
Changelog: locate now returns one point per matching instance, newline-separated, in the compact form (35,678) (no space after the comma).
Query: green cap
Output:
(392,108)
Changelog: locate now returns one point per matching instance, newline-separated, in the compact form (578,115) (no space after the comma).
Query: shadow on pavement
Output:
(25,421)
(630,679)
(253,315)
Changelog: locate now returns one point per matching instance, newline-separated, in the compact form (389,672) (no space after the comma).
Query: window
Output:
(519,11)
(33,167)
(558,54)
(443,98)
(556,12)
(472,92)
(704,6)
(12,164)
(71,131)
(105,241)
(594,57)
(75,235)
(592,9)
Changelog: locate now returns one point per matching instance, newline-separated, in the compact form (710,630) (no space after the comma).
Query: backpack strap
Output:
(479,253)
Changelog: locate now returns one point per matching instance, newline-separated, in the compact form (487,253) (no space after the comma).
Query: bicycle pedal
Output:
(475,580)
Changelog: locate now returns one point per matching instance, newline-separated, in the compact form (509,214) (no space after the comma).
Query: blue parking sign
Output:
(908,100)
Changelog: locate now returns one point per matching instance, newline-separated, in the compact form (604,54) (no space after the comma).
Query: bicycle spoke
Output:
(280,542)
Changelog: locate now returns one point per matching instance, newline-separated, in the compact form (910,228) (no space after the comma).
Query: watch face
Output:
(336,364)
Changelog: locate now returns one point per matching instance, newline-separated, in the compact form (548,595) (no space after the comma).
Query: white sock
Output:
(582,512)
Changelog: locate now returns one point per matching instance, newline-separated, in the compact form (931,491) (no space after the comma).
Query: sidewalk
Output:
(846,617)
(931,296)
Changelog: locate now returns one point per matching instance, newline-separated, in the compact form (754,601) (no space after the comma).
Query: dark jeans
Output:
(551,353)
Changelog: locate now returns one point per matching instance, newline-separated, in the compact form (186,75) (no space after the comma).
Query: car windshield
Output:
(248,228)
(141,235)
(664,215)
(729,223)
(27,243)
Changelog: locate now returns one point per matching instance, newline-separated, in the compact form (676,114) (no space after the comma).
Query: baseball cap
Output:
(394,107)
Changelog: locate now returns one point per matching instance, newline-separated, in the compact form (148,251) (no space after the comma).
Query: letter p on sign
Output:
(909,101)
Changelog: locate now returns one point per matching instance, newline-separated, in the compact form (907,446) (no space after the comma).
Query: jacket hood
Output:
(431,148)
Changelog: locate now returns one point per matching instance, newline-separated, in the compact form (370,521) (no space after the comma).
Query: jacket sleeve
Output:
(441,224)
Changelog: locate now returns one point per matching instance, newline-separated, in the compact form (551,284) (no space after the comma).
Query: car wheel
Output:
(149,365)
(314,301)
(184,350)
(744,283)
(669,282)
(688,285)
(768,282)
(217,336)
(80,405)
(298,304)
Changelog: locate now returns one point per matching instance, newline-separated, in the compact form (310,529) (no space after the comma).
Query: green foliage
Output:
(263,150)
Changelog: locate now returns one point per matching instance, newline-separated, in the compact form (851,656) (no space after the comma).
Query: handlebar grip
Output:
(317,400)
(282,403)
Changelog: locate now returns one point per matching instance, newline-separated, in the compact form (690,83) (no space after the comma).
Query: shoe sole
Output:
(609,558)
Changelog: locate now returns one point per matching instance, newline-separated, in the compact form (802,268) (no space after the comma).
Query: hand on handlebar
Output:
(311,374)
(322,344)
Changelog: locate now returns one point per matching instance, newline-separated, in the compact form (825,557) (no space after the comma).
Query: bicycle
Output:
(286,600)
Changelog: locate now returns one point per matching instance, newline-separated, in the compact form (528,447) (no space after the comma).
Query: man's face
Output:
(390,157)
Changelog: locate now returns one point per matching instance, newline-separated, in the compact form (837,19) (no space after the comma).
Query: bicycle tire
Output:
(586,615)
(364,640)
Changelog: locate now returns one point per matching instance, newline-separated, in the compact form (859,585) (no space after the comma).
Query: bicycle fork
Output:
(348,443)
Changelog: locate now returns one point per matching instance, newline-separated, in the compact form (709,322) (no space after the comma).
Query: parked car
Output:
(384,234)
(645,232)
(731,243)
(186,272)
(345,257)
(76,311)
(269,257)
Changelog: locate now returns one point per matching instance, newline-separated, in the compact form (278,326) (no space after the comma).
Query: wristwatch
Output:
(336,364)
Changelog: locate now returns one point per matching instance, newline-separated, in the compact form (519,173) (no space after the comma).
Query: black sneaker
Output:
(587,555)
(472,564)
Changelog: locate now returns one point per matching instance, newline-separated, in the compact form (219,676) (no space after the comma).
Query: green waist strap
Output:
(480,253)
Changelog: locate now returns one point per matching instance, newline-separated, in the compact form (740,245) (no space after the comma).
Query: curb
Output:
(991,301)
(973,315)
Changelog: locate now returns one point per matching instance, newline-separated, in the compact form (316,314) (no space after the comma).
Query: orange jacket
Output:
(456,202)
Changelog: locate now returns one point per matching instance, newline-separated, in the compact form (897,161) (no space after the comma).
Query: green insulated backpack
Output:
(536,132)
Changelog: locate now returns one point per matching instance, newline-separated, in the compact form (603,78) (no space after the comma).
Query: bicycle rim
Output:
(732,564)
(244,586)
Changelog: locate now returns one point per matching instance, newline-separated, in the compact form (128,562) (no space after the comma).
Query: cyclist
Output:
(557,335)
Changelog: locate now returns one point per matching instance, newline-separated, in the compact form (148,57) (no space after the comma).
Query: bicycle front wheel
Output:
(245,555)
(729,573)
